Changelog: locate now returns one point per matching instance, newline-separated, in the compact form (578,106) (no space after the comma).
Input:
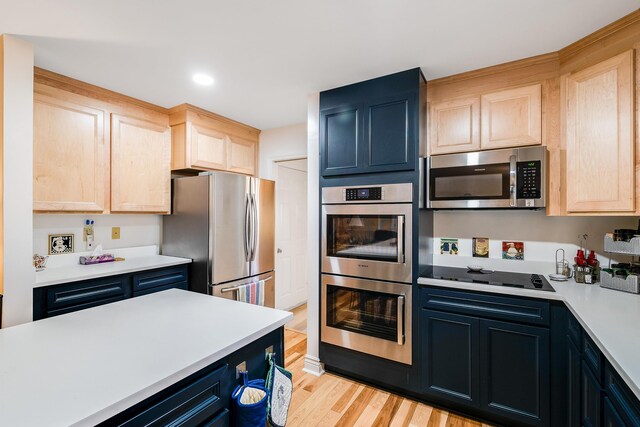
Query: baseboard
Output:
(313,366)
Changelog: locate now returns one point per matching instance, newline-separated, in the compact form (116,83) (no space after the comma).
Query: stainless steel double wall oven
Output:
(367,269)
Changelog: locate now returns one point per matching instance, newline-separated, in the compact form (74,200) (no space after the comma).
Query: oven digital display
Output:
(370,193)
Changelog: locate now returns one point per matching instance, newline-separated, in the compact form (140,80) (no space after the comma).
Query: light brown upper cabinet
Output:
(511,118)
(140,165)
(71,154)
(203,141)
(454,125)
(598,104)
(242,156)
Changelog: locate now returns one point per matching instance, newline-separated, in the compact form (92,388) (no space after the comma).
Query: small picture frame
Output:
(481,247)
(513,250)
(449,246)
(60,244)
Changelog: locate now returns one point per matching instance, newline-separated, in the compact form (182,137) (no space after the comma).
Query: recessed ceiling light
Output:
(203,79)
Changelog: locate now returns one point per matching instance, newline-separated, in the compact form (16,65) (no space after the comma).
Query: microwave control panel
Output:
(357,194)
(529,180)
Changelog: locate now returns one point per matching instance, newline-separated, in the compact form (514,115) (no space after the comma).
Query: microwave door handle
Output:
(401,239)
(512,180)
(400,318)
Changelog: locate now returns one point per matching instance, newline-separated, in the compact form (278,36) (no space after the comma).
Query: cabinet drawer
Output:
(179,285)
(593,357)
(60,299)
(157,278)
(622,398)
(574,330)
(219,420)
(197,403)
(487,305)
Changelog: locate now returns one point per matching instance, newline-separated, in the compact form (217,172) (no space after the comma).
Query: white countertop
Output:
(77,272)
(610,317)
(84,367)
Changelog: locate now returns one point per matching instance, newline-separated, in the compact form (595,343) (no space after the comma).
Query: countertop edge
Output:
(141,395)
(168,261)
(551,296)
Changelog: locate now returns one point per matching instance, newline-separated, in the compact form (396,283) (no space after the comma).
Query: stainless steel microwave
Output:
(508,178)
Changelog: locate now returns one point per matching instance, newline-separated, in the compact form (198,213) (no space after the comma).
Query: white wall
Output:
(541,235)
(17,146)
(288,142)
(135,230)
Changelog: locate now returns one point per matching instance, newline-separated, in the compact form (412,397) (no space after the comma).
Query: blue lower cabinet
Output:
(573,379)
(591,402)
(451,357)
(624,404)
(515,371)
(611,418)
(50,301)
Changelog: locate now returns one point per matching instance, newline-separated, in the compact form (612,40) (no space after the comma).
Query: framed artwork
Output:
(513,250)
(449,246)
(481,247)
(60,244)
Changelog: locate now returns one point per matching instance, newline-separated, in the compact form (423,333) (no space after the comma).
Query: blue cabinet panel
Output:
(572,377)
(622,398)
(450,356)
(160,279)
(340,132)
(611,417)
(593,357)
(515,371)
(591,402)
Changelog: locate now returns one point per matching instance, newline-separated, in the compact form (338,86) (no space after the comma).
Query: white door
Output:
(291,234)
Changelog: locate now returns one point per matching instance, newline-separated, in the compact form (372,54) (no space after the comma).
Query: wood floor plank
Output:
(331,400)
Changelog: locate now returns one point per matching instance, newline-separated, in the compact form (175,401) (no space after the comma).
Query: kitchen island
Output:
(86,367)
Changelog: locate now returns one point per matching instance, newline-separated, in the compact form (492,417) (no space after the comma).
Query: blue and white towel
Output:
(252,293)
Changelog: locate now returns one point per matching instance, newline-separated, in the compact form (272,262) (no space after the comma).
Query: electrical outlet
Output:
(115,233)
(268,351)
(242,367)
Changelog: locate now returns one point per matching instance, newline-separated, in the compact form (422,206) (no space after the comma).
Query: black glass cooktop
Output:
(489,277)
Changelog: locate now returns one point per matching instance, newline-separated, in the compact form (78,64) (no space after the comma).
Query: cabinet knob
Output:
(279,251)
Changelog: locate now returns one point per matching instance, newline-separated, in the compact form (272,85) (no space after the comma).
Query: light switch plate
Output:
(241,368)
(115,233)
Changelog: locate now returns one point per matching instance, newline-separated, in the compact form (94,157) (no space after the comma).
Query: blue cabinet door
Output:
(450,356)
(572,377)
(390,127)
(591,401)
(611,418)
(340,140)
(514,364)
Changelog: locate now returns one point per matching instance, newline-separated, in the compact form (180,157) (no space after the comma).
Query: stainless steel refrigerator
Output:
(225,222)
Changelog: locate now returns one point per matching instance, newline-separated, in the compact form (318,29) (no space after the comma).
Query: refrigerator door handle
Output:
(247,221)
(254,228)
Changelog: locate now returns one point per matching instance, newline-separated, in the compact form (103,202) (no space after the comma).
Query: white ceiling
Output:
(267,56)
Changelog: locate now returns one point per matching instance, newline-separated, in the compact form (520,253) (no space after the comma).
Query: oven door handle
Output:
(512,180)
(400,239)
(400,318)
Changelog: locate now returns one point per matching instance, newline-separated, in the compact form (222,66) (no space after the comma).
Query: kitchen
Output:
(412,177)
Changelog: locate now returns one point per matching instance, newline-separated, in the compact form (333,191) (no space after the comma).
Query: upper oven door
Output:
(370,241)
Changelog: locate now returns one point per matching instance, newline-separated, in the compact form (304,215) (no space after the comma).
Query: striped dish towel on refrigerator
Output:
(252,293)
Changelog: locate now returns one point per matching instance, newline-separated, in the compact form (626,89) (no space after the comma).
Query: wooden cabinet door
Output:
(511,118)
(340,134)
(242,156)
(69,156)
(140,165)
(450,357)
(599,107)
(455,126)
(208,148)
(514,367)
(390,133)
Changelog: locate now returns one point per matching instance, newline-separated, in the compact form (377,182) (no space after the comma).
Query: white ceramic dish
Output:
(476,268)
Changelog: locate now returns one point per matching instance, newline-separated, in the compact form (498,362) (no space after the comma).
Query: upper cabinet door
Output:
(340,131)
(455,126)
(242,155)
(70,154)
(389,133)
(208,148)
(599,136)
(512,118)
(140,165)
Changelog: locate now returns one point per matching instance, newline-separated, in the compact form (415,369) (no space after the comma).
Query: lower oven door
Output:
(372,241)
(367,316)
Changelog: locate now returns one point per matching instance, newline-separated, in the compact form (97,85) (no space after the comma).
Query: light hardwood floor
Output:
(331,400)
(299,321)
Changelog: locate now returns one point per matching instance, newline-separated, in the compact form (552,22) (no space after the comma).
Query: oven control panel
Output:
(529,180)
(361,193)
